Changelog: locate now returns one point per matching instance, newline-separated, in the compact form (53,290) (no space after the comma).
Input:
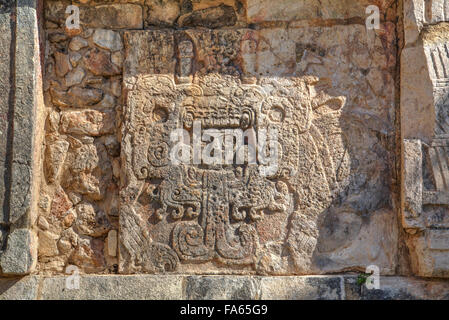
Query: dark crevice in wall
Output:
(404,263)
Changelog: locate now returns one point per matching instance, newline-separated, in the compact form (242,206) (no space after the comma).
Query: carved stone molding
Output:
(425,127)
(20,144)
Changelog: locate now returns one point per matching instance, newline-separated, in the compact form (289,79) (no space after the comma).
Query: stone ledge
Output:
(177,287)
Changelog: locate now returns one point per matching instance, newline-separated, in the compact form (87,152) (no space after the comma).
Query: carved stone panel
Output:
(278,200)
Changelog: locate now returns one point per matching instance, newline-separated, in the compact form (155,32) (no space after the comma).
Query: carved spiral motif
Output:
(142,173)
(158,154)
(188,241)
(163,257)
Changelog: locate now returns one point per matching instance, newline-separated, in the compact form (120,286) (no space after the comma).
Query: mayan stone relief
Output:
(205,216)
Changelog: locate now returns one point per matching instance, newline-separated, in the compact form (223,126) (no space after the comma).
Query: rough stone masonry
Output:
(92,92)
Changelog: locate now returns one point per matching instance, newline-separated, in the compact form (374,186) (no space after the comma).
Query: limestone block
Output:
(24,288)
(114,287)
(5,97)
(397,288)
(18,256)
(222,288)
(424,92)
(108,15)
(88,122)
(20,147)
(107,39)
(302,288)
(417,112)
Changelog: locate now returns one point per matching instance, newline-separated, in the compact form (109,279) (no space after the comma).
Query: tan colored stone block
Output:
(112,16)
(114,288)
(47,244)
(302,288)
(88,122)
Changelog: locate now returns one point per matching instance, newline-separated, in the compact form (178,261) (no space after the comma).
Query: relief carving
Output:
(211,209)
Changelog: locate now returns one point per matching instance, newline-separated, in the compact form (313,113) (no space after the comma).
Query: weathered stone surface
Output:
(302,288)
(112,16)
(99,63)
(62,64)
(75,58)
(88,122)
(213,17)
(60,203)
(82,175)
(19,289)
(27,95)
(117,59)
(418,14)
(47,244)
(74,77)
(147,287)
(416,95)
(114,287)
(18,256)
(76,97)
(424,114)
(430,255)
(413,184)
(107,39)
(42,223)
(308,68)
(207,14)
(222,288)
(290,10)
(398,288)
(20,111)
(162,12)
(90,223)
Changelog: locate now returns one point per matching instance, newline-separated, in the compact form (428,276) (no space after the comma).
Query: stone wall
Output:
(360,119)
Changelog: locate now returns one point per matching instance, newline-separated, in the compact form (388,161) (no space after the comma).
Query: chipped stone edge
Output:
(173,287)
